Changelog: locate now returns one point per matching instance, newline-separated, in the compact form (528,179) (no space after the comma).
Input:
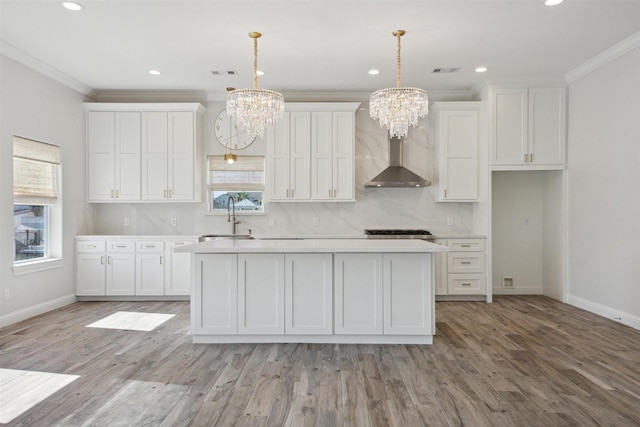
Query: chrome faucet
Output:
(231,213)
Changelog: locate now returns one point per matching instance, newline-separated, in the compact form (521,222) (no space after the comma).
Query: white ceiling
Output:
(311,45)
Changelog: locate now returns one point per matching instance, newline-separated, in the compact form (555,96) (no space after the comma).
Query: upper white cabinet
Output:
(310,153)
(457,127)
(528,128)
(143,152)
(113,151)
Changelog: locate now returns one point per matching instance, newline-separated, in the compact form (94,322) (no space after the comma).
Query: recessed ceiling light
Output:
(72,5)
(481,69)
(374,72)
(552,2)
(154,72)
(260,73)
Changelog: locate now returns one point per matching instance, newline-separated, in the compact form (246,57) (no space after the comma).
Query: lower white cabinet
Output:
(308,294)
(261,293)
(407,294)
(132,267)
(313,295)
(358,294)
(462,270)
(214,306)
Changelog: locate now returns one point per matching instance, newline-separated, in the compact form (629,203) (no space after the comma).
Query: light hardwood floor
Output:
(521,361)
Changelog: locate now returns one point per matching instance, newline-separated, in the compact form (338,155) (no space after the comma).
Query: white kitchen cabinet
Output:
(462,270)
(168,156)
(143,152)
(113,156)
(105,268)
(358,294)
(458,151)
(214,308)
(528,128)
(308,294)
(332,161)
(150,268)
(310,153)
(261,293)
(177,274)
(407,294)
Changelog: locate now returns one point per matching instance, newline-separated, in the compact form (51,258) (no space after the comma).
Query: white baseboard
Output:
(604,311)
(517,291)
(35,310)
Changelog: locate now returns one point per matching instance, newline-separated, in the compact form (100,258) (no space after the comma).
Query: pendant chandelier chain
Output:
(255,62)
(398,35)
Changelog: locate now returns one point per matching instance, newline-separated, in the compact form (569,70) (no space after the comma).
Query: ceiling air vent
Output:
(445,70)
(224,73)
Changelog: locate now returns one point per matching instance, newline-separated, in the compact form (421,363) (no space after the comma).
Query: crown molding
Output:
(604,58)
(23,58)
(150,96)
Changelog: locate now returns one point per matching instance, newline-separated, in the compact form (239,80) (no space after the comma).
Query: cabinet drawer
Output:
(465,262)
(91,245)
(121,246)
(150,246)
(466,284)
(466,245)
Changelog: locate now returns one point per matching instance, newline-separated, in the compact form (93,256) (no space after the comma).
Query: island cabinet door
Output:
(308,294)
(358,294)
(261,294)
(214,306)
(408,295)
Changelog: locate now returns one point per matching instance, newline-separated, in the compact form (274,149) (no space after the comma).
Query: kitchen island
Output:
(313,290)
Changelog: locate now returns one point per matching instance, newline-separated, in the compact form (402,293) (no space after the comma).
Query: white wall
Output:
(604,194)
(36,107)
(374,208)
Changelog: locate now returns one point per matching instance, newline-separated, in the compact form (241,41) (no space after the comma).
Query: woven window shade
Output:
(35,171)
(246,174)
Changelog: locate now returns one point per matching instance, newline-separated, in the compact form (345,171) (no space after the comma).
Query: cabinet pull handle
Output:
(465,284)
(160,259)
(169,193)
(164,194)
(102,260)
(465,246)
(465,262)
(109,260)
(530,157)
(117,194)
(287,193)
(445,193)
(525,158)
(334,193)
(120,246)
(292,192)
(112,194)
(149,246)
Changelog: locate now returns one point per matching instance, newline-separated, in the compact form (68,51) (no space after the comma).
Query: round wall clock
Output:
(229,134)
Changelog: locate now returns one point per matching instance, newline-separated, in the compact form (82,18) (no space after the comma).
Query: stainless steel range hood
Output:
(396,175)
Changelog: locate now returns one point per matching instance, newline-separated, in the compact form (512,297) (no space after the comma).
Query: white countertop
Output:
(312,246)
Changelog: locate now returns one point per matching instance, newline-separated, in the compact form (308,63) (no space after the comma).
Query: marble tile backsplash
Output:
(374,207)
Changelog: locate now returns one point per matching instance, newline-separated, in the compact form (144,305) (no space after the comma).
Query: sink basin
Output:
(207,237)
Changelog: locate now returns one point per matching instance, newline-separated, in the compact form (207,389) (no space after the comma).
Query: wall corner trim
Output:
(36,310)
(604,58)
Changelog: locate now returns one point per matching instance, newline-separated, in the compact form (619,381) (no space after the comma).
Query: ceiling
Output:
(311,45)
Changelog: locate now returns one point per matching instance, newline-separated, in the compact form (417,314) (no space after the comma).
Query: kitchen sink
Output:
(207,237)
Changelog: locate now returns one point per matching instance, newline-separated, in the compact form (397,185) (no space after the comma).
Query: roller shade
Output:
(35,171)
(246,174)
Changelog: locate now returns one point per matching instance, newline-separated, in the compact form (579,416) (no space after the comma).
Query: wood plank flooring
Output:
(521,361)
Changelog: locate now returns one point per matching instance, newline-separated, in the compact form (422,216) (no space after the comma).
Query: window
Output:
(243,180)
(36,173)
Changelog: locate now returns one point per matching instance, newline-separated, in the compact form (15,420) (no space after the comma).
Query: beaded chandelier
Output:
(255,109)
(400,107)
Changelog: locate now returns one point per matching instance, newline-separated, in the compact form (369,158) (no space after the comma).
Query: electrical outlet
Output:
(315,221)
(174,222)
(272,222)
(126,222)
(507,282)
(450,220)
(7,294)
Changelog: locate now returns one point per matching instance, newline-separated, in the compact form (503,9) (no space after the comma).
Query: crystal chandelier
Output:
(255,109)
(400,107)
